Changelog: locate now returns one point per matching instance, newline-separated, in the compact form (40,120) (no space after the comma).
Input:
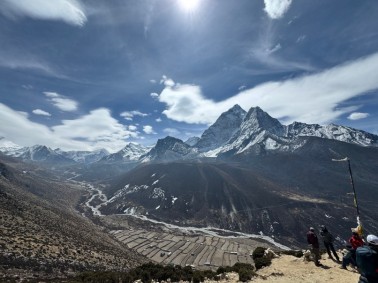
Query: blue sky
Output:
(97,74)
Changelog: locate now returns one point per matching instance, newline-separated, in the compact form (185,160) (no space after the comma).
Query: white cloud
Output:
(313,98)
(153,81)
(171,131)
(358,116)
(133,128)
(92,131)
(59,101)
(69,11)
(167,81)
(276,8)
(158,120)
(154,95)
(129,115)
(187,104)
(41,112)
(148,130)
(242,87)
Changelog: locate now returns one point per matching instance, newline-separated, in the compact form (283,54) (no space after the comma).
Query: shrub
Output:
(260,262)
(258,252)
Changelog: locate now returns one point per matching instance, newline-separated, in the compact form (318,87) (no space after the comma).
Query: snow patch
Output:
(130,211)
(174,200)
(157,193)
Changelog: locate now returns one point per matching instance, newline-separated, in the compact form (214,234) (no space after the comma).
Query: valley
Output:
(248,182)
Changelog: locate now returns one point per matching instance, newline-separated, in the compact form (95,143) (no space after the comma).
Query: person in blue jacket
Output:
(367,260)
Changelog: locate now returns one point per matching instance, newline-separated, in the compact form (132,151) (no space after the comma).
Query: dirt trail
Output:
(287,269)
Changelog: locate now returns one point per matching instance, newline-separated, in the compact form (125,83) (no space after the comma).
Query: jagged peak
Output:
(259,119)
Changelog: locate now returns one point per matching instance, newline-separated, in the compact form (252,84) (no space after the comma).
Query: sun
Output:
(188,6)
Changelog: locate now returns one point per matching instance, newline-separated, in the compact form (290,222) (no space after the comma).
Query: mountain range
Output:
(235,133)
(247,172)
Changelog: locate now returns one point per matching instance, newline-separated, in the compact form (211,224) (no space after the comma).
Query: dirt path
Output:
(294,270)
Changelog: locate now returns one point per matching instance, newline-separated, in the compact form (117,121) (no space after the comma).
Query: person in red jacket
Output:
(312,239)
(355,242)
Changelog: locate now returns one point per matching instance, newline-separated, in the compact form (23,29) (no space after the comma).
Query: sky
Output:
(90,74)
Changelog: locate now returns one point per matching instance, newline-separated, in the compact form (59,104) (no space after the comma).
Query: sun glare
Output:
(188,5)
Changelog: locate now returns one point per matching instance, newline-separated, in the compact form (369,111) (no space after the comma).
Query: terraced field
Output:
(200,251)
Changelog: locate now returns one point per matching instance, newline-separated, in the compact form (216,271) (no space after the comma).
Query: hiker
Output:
(312,239)
(367,260)
(328,242)
(355,242)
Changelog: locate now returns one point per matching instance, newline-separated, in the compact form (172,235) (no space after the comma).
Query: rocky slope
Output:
(42,234)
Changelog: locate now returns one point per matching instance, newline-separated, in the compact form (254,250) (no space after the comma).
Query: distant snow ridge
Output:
(7,147)
(259,131)
(332,131)
(84,156)
(234,132)
(131,152)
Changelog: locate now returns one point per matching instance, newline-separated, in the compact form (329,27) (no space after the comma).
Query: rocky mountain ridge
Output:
(239,133)
(235,132)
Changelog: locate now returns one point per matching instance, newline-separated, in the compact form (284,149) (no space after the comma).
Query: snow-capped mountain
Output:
(40,153)
(332,131)
(43,153)
(131,152)
(222,130)
(84,156)
(260,132)
(169,148)
(234,132)
(8,147)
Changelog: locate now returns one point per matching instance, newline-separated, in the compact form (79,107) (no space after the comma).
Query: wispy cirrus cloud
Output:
(129,115)
(41,112)
(22,60)
(358,116)
(61,102)
(276,8)
(69,11)
(314,98)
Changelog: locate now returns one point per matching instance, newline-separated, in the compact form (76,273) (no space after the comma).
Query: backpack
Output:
(367,262)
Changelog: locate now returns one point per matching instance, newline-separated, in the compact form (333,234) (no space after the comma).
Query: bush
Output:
(245,270)
(260,262)
(258,252)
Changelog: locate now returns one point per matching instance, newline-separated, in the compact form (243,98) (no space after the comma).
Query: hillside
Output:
(43,235)
(280,194)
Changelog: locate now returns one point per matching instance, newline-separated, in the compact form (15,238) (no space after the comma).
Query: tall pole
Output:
(354,190)
(352,182)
